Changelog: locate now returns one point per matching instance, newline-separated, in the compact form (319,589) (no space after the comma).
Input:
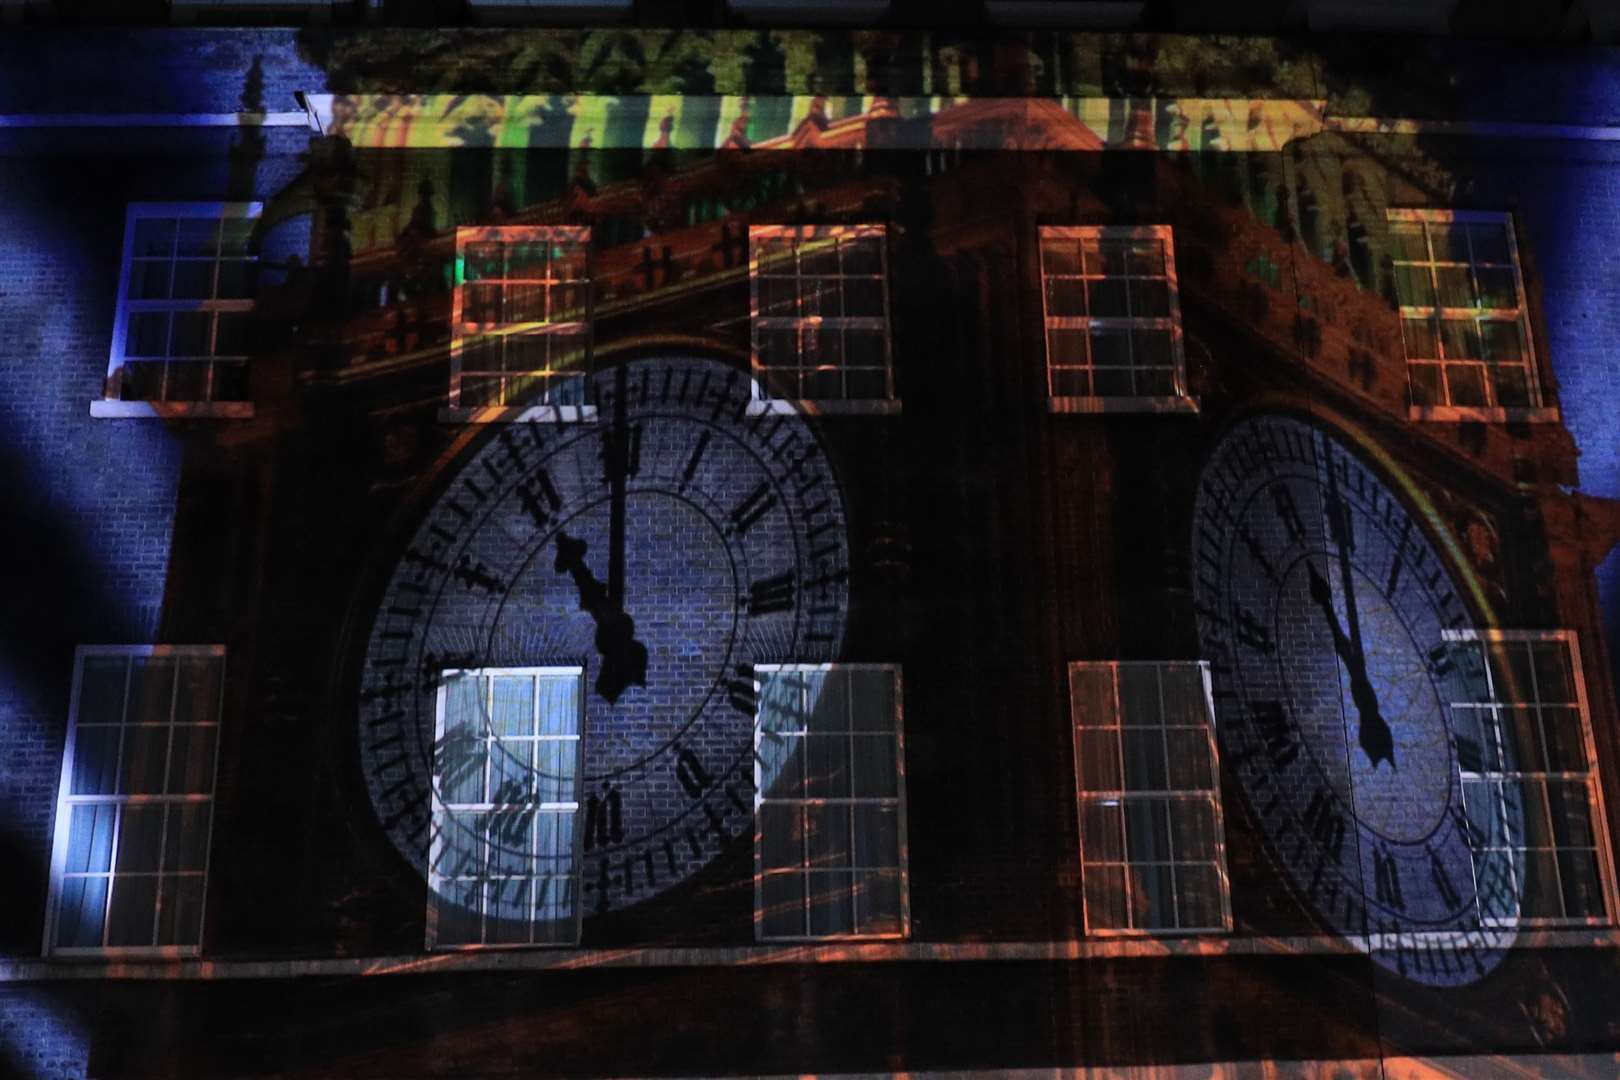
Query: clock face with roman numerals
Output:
(664,545)
(1328,615)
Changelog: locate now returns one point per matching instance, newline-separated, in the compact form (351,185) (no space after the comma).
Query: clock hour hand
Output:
(624,659)
(1374,735)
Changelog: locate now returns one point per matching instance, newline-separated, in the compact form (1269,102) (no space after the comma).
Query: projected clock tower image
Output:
(630,551)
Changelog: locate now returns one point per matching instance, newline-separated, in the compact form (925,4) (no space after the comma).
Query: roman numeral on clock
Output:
(1271,723)
(1325,824)
(754,506)
(771,594)
(1283,500)
(1387,880)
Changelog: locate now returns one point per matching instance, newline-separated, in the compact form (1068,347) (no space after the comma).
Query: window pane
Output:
(95,760)
(197,236)
(828,772)
(1092,695)
(831,903)
(877,836)
(1099,760)
(81,909)
(875,773)
(90,834)
(827,833)
(140,835)
(782,905)
(197,700)
(1144,760)
(1153,897)
(1147,830)
(154,237)
(1192,830)
(1102,830)
(1188,750)
(145,758)
(458,908)
(130,915)
(1105,897)
(185,847)
(1578,874)
(1059,257)
(180,909)
(877,902)
(781,836)
(1198,897)
(1139,695)
(191,769)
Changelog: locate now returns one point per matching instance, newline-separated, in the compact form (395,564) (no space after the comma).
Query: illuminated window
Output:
(1524,748)
(1468,353)
(130,860)
(821,317)
(829,803)
(1152,858)
(1113,320)
(521,323)
(503,863)
(185,301)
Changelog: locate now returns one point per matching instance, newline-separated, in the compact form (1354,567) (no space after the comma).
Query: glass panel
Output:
(193,279)
(1497,287)
(81,908)
(1554,682)
(101,690)
(459,761)
(1091,696)
(511,771)
(1147,830)
(197,701)
(827,773)
(95,760)
(511,842)
(149,279)
(1144,760)
(509,912)
(1198,897)
(1188,750)
(1105,897)
(154,236)
(1578,874)
(1543,896)
(862,255)
(863,297)
(1414,286)
(235,279)
(1421,340)
(236,235)
(130,916)
(827,830)
(148,335)
(180,910)
(145,757)
(877,902)
(828,693)
(1151,348)
(186,845)
(1099,760)
(140,834)
(458,912)
(198,236)
(555,766)
(90,833)
(151,689)
(1144,258)
(1102,830)
(1150,299)
(1571,824)
(1107,298)
(1466,384)
(831,903)
(877,836)
(782,903)
(1192,829)
(1425,382)
(1153,897)
(1460,339)
(876,775)
(1565,739)
(1406,241)
(1455,288)
(781,836)
(1059,257)
(1065,298)
(191,769)
(1489,242)
(872,692)
(1512,386)
(1139,695)
(1066,348)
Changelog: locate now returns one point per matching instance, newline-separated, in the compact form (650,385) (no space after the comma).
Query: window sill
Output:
(113,409)
(519,414)
(1173,404)
(825,407)
(1480,414)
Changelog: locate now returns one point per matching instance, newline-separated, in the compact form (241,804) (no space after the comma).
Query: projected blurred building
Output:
(741,551)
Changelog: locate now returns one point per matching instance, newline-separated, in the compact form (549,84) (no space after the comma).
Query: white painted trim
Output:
(113,409)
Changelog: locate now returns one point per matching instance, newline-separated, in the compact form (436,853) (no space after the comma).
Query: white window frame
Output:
(1123,794)
(1180,400)
(438,806)
(112,404)
(1594,787)
(66,800)
(462,332)
(898,800)
(762,400)
(1539,409)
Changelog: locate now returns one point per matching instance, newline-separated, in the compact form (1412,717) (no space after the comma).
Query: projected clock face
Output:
(664,547)
(1324,607)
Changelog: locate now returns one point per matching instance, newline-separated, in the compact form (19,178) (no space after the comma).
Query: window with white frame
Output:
(185,301)
(503,862)
(129,863)
(1113,319)
(829,803)
(1463,316)
(821,316)
(1152,853)
(521,337)
(1525,752)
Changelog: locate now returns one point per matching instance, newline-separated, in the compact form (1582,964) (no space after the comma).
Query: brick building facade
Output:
(859,552)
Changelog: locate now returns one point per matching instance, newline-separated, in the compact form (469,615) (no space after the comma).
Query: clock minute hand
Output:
(1373,734)
(617,462)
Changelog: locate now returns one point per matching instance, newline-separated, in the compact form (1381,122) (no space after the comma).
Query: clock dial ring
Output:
(766,500)
(1362,541)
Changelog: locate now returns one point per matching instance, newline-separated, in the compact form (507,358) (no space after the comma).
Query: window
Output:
(185,298)
(521,323)
(1113,320)
(1152,857)
(829,803)
(821,318)
(503,863)
(129,864)
(1524,747)
(1468,354)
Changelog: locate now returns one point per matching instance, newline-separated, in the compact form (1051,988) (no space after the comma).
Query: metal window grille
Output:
(520,316)
(820,311)
(503,859)
(1113,315)
(1463,318)
(1152,849)
(185,298)
(129,865)
(1525,754)
(829,803)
